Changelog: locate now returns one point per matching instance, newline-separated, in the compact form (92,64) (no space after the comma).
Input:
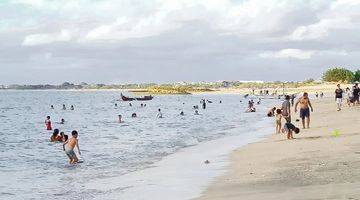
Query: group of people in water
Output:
(69,144)
(159,114)
(63,107)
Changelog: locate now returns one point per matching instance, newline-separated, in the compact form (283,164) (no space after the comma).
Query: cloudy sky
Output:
(122,41)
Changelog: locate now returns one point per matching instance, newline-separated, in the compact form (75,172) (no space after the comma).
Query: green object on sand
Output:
(336,133)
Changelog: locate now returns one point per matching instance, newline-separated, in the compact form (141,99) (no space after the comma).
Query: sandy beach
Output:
(317,164)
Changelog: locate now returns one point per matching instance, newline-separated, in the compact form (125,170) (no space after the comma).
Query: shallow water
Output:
(32,167)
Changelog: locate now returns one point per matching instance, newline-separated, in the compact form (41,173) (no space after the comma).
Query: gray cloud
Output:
(167,41)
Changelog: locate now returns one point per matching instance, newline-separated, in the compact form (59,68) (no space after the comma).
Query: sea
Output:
(174,157)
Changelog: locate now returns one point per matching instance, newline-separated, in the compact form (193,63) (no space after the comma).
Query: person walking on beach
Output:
(349,96)
(69,146)
(356,93)
(48,123)
(292,97)
(305,103)
(338,97)
(285,109)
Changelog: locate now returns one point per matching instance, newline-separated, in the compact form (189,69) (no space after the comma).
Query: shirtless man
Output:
(70,145)
(304,102)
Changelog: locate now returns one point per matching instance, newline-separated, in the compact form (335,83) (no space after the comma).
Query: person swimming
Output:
(64,107)
(55,136)
(182,113)
(62,121)
(116,105)
(72,107)
(259,101)
(133,115)
(159,114)
(130,104)
(48,123)
(271,112)
(52,107)
(63,137)
(196,112)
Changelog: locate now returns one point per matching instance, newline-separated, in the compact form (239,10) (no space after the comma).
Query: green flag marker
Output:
(336,133)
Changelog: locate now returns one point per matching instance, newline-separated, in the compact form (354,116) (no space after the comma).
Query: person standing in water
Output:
(305,103)
(120,119)
(203,104)
(69,146)
(48,123)
(338,97)
(72,107)
(159,114)
(52,107)
(64,107)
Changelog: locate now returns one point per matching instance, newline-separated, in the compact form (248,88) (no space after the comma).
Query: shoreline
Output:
(311,89)
(317,164)
(182,175)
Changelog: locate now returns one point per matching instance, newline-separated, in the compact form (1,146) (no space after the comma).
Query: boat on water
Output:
(144,98)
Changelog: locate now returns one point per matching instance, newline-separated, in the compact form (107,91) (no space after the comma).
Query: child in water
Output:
(48,123)
(70,145)
(63,137)
(55,136)
(278,118)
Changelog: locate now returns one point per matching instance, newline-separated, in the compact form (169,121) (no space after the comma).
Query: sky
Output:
(132,41)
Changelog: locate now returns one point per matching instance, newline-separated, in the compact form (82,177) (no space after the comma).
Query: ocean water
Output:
(141,157)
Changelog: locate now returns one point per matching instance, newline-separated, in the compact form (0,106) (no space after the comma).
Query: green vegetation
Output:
(338,74)
(357,75)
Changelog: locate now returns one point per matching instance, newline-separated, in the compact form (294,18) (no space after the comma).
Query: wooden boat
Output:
(145,98)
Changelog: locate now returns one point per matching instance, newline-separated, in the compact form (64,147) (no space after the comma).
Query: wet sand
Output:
(317,164)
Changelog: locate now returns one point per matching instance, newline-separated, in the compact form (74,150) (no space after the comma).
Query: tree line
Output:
(341,74)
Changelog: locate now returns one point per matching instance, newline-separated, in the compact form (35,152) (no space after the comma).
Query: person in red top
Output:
(48,123)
